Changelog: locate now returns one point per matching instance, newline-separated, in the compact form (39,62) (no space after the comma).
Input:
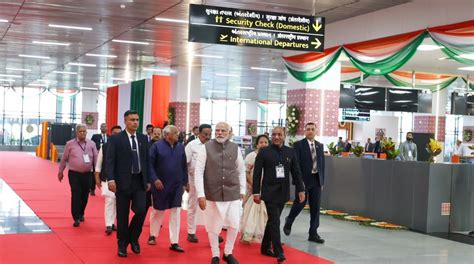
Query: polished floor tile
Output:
(15,216)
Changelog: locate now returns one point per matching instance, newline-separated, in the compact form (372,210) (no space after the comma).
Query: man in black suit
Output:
(99,140)
(149,132)
(310,154)
(369,146)
(276,162)
(127,174)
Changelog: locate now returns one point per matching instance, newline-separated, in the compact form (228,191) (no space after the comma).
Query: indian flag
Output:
(149,97)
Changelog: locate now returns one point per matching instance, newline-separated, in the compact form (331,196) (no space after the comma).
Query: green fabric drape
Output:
(432,87)
(471,84)
(137,100)
(356,79)
(389,64)
(455,53)
(315,74)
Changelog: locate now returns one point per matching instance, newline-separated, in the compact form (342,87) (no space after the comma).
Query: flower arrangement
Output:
(171,115)
(333,149)
(292,117)
(388,147)
(358,151)
(433,148)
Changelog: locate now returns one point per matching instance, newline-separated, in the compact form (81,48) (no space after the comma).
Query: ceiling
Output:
(108,20)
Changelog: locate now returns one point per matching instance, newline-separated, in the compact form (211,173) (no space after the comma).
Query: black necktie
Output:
(135,165)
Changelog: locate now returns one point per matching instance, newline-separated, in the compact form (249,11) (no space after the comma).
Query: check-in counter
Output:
(413,194)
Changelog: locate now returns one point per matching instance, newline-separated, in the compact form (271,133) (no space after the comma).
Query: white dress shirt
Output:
(192,150)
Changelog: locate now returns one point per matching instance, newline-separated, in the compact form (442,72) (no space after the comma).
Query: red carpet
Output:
(35,181)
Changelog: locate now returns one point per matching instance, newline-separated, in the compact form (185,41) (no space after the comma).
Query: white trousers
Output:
(156,220)
(192,207)
(110,208)
(229,242)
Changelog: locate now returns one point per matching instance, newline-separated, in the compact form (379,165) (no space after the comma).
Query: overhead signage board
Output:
(353,114)
(250,28)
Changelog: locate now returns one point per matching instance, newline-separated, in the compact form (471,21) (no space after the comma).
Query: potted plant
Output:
(433,148)
(358,151)
(333,149)
(292,117)
(388,147)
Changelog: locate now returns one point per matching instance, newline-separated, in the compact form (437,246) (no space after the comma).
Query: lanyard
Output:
(83,148)
(279,155)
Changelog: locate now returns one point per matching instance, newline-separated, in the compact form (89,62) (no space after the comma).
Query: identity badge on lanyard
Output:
(410,153)
(85,156)
(280,171)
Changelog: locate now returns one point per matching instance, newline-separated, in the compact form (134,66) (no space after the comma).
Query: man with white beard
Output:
(220,184)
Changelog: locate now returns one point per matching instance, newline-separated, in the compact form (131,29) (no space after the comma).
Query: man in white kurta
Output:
(192,151)
(221,185)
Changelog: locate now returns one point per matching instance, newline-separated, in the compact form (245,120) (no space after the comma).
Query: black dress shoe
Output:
(177,248)
(230,259)
(215,260)
(268,253)
(287,227)
(221,239)
(82,219)
(76,223)
(193,238)
(471,233)
(122,253)
(281,258)
(135,247)
(108,230)
(316,239)
(114,228)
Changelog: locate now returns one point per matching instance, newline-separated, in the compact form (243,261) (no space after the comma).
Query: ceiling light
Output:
(284,83)
(69,27)
(45,81)
(427,47)
(4,21)
(214,91)
(443,58)
(157,70)
(120,79)
(246,88)
(100,55)
(7,80)
(208,56)
(90,88)
(51,43)
(244,99)
(65,72)
(130,42)
(172,20)
(105,84)
(33,56)
(82,64)
(38,84)
(10,75)
(263,69)
(470,68)
(16,69)
(227,75)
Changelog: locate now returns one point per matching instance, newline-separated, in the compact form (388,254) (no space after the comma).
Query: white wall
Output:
(364,130)
(179,84)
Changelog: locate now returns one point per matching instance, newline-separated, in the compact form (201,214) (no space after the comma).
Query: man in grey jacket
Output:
(408,149)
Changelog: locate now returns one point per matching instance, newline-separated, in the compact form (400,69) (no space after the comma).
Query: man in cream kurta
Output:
(220,184)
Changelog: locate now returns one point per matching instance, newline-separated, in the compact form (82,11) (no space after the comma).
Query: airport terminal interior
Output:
(383,88)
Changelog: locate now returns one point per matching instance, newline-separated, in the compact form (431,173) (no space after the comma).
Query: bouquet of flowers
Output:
(433,148)
(292,117)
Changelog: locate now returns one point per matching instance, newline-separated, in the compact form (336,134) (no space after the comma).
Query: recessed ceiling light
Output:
(263,69)
(90,88)
(227,75)
(33,56)
(208,56)
(172,20)
(130,42)
(443,58)
(16,69)
(157,70)
(246,88)
(7,80)
(427,47)
(82,64)
(100,55)
(69,27)
(470,68)
(51,43)
(65,72)
(215,91)
(11,75)
(466,56)
(38,84)
(244,99)
(284,83)
(4,21)
(120,79)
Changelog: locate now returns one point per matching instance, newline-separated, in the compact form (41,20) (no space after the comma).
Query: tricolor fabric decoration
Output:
(434,82)
(149,97)
(471,82)
(351,74)
(386,55)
